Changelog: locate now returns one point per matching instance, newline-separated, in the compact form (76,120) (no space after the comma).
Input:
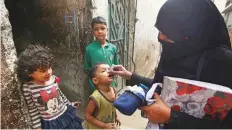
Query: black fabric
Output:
(196,27)
(201,22)
(137,80)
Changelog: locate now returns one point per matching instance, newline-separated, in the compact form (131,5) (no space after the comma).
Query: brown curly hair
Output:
(32,58)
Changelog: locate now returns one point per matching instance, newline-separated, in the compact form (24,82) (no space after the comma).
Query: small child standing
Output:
(48,106)
(101,50)
(100,112)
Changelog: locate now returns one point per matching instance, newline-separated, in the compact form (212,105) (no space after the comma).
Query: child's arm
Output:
(32,109)
(89,116)
(118,122)
(76,104)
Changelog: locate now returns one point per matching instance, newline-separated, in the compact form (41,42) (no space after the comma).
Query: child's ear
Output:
(95,80)
(30,76)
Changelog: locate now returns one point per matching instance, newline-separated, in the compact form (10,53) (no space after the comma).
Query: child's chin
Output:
(101,38)
(110,81)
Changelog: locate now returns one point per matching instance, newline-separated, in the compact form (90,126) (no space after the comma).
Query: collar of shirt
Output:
(106,45)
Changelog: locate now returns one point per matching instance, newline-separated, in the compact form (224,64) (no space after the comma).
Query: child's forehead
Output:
(46,67)
(96,25)
(103,66)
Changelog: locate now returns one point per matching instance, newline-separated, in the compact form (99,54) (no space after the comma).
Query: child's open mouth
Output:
(111,75)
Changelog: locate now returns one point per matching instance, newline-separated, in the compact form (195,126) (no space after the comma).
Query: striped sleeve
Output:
(66,101)
(32,109)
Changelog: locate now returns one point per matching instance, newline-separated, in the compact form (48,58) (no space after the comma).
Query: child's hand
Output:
(109,126)
(76,104)
(118,122)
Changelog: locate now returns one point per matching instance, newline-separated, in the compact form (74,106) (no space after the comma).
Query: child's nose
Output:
(100,31)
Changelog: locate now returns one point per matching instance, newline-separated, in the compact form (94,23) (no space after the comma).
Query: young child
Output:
(48,107)
(100,112)
(100,50)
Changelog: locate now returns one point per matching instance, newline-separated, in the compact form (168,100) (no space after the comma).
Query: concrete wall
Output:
(229,18)
(100,8)
(13,110)
(68,43)
(147,47)
(220,4)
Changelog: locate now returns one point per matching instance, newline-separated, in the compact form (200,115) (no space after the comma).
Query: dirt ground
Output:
(128,122)
(133,122)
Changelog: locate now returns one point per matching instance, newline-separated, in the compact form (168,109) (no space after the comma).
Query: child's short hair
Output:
(32,58)
(93,70)
(98,20)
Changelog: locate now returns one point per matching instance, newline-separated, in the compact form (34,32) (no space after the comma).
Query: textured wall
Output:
(68,41)
(147,47)
(12,104)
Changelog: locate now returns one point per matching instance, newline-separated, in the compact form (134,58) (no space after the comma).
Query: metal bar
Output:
(116,40)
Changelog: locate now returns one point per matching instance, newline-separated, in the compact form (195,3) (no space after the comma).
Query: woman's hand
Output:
(121,71)
(158,112)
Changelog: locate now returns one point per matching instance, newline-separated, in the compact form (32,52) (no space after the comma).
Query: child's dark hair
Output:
(32,58)
(98,20)
(93,70)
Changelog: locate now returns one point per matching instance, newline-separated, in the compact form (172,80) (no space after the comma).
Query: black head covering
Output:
(201,22)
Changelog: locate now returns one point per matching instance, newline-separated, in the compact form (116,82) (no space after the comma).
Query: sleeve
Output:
(66,101)
(87,63)
(116,56)
(96,98)
(32,109)
(137,79)
(180,120)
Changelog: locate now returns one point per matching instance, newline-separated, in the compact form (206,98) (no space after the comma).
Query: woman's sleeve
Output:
(137,79)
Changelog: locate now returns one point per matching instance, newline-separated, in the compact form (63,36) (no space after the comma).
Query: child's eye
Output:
(95,29)
(103,28)
(42,71)
(103,70)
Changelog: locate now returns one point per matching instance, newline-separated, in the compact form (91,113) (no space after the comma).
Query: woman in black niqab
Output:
(195,26)
(195,45)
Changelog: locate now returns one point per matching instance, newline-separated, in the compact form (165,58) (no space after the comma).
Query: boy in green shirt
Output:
(100,50)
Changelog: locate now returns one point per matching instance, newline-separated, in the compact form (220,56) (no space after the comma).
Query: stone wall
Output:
(12,104)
